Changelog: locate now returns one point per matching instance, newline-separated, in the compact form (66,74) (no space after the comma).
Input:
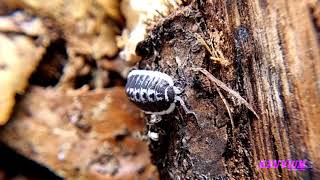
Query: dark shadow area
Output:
(16,166)
(51,65)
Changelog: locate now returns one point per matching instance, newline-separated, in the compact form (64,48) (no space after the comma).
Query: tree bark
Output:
(267,51)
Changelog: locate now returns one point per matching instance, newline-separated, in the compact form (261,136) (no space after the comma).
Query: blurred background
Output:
(63,111)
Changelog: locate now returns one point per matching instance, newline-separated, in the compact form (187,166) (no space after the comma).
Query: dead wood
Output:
(273,51)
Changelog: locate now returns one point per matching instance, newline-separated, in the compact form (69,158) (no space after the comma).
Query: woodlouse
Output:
(153,91)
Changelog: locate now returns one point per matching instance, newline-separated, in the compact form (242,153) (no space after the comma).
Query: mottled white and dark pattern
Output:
(152,91)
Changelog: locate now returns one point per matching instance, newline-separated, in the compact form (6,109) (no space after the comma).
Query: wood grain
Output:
(273,47)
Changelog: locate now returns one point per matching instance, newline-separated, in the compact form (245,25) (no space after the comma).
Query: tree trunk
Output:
(268,52)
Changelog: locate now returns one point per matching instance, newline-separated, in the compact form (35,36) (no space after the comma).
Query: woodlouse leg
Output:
(177,90)
(154,136)
(181,101)
(154,119)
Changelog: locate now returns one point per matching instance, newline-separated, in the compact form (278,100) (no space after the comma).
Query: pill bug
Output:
(153,91)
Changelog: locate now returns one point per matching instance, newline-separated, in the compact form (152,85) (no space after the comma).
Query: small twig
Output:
(160,13)
(214,50)
(204,43)
(226,104)
(226,88)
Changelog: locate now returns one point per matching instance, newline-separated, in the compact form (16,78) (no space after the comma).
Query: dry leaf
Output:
(19,56)
(136,13)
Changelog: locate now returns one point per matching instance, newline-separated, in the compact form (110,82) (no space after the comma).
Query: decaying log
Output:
(268,52)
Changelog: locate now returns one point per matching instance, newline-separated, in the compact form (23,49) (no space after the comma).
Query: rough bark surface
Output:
(272,58)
